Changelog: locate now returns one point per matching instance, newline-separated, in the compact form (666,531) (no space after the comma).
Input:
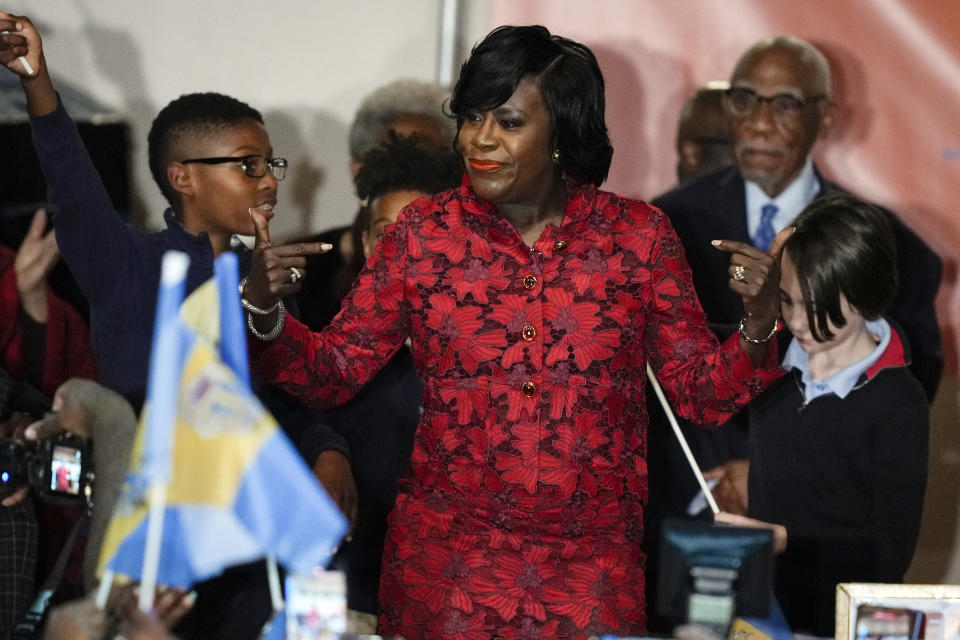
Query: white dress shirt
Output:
(790,202)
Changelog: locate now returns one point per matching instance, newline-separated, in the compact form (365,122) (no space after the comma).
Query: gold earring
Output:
(556,156)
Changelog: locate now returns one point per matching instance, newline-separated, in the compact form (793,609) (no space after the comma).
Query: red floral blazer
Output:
(529,459)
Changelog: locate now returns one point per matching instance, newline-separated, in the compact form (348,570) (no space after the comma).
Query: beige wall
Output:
(305,64)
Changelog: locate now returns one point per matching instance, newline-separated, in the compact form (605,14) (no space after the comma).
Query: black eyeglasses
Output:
(254,166)
(786,108)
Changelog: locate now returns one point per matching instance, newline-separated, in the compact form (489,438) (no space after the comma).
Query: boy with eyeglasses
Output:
(211,157)
(117,266)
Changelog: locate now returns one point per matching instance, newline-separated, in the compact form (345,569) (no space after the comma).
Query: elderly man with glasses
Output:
(779,105)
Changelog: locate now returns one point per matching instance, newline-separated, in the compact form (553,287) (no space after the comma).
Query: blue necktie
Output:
(765,231)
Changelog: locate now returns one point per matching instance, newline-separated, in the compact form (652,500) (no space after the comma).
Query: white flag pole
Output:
(163,388)
(151,552)
(103,590)
(683,441)
(273,579)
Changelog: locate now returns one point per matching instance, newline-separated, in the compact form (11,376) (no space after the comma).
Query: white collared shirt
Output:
(790,202)
(842,382)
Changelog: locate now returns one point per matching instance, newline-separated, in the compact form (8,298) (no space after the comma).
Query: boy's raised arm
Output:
(20,41)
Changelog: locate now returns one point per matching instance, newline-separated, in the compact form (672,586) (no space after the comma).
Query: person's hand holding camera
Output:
(72,411)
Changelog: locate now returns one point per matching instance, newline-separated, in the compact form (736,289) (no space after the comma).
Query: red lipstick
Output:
(484,165)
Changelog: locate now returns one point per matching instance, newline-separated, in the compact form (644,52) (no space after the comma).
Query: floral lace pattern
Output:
(522,512)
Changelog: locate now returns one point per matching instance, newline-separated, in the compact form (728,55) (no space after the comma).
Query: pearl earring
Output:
(556,156)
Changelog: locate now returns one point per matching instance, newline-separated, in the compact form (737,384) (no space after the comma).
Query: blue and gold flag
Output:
(236,487)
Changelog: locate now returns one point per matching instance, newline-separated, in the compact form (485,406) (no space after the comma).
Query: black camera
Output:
(58,469)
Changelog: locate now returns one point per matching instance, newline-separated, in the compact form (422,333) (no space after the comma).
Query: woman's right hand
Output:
(276,271)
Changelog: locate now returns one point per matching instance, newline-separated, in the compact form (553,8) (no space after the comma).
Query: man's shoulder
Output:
(702,193)
(909,242)
(830,188)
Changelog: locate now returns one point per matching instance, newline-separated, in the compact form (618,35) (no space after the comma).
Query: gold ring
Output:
(295,275)
(738,273)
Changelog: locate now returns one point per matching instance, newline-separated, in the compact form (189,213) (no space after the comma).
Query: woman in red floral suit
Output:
(533,302)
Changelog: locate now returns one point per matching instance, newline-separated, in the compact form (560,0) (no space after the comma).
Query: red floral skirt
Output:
(450,576)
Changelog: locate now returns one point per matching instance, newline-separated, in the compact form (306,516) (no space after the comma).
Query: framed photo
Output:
(911,611)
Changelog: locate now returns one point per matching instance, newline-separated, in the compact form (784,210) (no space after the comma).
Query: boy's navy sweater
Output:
(846,477)
(118,269)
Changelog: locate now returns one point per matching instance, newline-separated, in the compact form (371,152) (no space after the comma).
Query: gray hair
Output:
(809,56)
(399,98)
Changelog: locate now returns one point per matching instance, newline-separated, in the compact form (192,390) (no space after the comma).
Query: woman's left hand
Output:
(755,277)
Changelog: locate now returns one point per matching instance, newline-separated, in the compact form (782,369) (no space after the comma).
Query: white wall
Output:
(305,65)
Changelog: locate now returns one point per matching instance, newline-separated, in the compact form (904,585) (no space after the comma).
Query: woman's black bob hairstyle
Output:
(843,246)
(570,81)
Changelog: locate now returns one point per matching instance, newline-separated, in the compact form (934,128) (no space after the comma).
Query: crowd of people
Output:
(465,366)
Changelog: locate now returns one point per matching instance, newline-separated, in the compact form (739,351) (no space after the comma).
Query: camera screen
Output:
(316,605)
(65,469)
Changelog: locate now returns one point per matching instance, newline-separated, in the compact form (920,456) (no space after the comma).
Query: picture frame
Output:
(939,602)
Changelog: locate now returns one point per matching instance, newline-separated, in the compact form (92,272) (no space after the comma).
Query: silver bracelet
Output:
(246,304)
(743,332)
(273,333)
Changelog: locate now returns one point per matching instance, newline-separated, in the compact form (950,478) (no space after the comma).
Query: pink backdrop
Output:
(896,82)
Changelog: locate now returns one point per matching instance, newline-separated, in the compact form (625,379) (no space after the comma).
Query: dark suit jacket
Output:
(714,207)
